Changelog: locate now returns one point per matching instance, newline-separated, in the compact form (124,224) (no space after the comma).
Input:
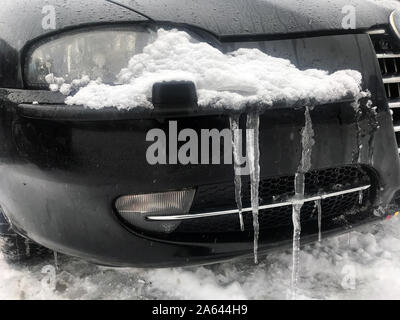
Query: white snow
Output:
(373,257)
(231,80)
(58,84)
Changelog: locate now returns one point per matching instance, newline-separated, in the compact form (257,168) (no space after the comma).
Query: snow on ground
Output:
(371,259)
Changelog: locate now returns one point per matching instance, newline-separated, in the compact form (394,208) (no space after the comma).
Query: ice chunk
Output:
(66,89)
(54,87)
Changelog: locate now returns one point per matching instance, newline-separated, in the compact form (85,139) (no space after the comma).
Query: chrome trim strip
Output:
(388,55)
(391,79)
(377,31)
(393,24)
(394,105)
(268,206)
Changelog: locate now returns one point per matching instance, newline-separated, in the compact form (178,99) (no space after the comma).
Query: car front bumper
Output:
(63,167)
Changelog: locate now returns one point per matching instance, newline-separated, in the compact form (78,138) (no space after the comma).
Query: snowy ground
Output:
(366,268)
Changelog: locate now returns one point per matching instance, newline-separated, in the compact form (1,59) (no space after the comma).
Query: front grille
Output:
(388,55)
(276,223)
(271,218)
(216,197)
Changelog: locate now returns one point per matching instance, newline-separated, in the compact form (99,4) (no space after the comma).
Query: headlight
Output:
(98,53)
(395,23)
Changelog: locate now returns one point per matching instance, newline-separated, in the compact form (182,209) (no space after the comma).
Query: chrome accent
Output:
(391,79)
(376,31)
(388,55)
(394,105)
(390,66)
(268,206)
(393,25)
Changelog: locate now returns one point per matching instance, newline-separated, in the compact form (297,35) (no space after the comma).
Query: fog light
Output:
(135,208)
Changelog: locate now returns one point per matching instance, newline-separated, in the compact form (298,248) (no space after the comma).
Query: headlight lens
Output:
(97,54)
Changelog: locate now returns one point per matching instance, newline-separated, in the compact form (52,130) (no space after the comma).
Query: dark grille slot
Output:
(383,42)
(392,91)
(388,55)
(389,66)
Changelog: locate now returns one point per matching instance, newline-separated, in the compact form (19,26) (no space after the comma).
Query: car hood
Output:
(269,17)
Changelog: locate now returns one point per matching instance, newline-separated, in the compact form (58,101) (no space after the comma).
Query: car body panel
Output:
(262,17)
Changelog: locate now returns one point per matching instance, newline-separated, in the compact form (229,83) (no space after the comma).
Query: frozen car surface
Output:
(74,172)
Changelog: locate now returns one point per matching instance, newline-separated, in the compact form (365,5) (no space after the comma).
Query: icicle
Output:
(307,142)
(369,113)
(253,156)
(319,208)
(56,260)
(373,128)
(348,239)
(360,197)
(357,155)
(236,142)
(27,248)
(298,203)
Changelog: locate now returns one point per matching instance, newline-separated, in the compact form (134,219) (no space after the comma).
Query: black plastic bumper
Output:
(61,167)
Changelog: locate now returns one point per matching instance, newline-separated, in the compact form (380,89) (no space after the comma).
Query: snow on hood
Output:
(231,81)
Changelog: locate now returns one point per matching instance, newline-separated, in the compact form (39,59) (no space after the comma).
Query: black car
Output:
(76,180)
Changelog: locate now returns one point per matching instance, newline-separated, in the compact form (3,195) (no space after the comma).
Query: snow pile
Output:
(372,258)
(233,80)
